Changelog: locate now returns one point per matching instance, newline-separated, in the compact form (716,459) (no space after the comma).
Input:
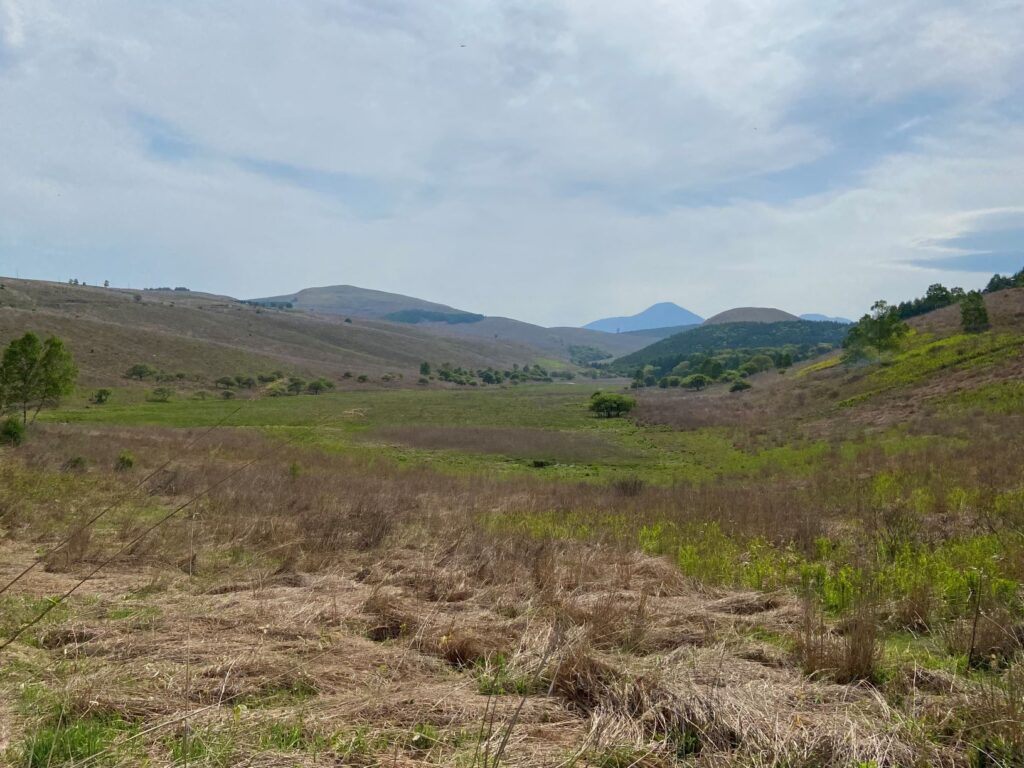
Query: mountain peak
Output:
(660,315)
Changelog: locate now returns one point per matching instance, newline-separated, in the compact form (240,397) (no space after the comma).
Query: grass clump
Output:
(67,740)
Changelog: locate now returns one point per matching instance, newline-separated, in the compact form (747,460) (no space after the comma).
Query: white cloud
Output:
(554,161)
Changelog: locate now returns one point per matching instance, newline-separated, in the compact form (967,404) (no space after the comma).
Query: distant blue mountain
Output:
(661,315)
(825,318)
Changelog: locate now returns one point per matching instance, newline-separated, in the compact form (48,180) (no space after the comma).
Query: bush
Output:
(100,396)
(610,405)
(227,394)
(739,385)
(125,461)
(12,432)
(160,395)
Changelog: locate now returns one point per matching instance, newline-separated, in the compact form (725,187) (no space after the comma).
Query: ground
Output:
(824,570)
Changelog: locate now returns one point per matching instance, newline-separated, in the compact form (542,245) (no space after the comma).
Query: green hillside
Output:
(667,353)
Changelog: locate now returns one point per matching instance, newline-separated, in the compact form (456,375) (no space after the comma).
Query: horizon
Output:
(552,162)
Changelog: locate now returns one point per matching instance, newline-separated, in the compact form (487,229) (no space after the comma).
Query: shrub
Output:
(739,385)
(12,432)
(125,461)
(227,394)
(100,396)
(610,405)
(160,395)
(140,371)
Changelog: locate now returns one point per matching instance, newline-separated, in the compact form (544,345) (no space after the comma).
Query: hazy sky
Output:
(552,161)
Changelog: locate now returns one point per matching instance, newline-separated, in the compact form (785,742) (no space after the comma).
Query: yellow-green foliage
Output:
(1001,397)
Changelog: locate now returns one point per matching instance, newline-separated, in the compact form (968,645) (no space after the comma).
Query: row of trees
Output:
(483,376)
(35,374)
(699,369)
(938,296)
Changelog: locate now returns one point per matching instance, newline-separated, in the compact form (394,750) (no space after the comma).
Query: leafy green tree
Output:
(610,404)
(424,369)
(973,314)
(296,385)
(318,386)
(161,394)
(697,381)
(880,330)
(34,374)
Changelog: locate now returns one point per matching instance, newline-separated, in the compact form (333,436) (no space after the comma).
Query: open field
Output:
(825,570)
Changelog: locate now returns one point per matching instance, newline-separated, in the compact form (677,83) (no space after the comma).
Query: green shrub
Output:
(125,461)
(12,432)
(739,385)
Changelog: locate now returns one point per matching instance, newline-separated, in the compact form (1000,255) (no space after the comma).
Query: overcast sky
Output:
(551,161)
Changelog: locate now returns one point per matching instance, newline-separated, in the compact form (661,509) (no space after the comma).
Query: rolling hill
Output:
(747,335)
(751,315)
(207,336)
(657,316)
(443,320)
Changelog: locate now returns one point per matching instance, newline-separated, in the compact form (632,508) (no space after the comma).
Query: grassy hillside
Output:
(753,335)
(353,301)
(209,336)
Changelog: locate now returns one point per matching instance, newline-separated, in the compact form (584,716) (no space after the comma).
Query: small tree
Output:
(225,382)
(161,394)
(611,405)
(34,374)
(973,314)
(296,385)
(697,381)
(424,369)
(140,371)
(319,386)
(880,330)
(100,396)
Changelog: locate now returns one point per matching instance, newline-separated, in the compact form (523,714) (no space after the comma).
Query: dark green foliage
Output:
(878,331)
(739,386)
(697,381)
(140,371)
(666,354)
(424,369)
(227,394)
(1001,283)
(101,396)
(296,385)
(973,314)
(585,355)
(318,386)
(936,297)
(432,316)
(12,432)
(161,395)
(610,405)
(225,382)
(34,374)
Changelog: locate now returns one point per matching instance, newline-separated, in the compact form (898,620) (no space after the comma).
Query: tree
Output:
(161,394)
(296,385)
(424,369)
(610,405)
(880,330)
(318,386)
(140,371)
(34,374)
(101,396)
(106,283)
(973,314)
(696,381)
(225,382)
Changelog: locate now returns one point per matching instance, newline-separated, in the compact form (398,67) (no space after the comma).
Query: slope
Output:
(208,336)
(443,320)
(749,335)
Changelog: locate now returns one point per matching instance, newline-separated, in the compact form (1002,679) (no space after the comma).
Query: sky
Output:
(553,161)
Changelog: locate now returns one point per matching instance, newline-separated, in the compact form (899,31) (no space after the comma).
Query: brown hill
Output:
(750,315)
(207,336)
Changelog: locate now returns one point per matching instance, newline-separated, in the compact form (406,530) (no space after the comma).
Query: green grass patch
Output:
(68,741)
